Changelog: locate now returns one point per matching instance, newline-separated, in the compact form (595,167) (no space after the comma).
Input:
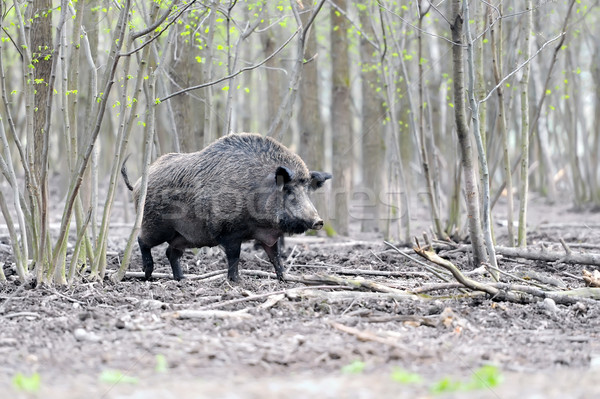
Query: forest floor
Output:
(138,339)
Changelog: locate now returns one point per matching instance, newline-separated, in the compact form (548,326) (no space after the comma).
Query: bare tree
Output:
(524,84)
(372,129)
(340,117)
(310,122)
(462,130)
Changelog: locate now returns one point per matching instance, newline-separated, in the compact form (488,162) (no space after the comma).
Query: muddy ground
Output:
(133,340)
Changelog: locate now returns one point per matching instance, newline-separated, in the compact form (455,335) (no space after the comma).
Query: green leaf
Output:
(445,385)
(485,377)
(355,367)
(161,364)
(27,384)
(405,377)
(117,377)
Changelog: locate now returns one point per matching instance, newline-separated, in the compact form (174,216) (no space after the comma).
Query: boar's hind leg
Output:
(232,251)
(275,258)
(173,254)
(147,261)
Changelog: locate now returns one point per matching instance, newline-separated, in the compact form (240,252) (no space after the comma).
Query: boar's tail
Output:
(124,173)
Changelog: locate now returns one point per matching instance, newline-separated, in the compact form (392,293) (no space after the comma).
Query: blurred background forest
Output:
(416,107)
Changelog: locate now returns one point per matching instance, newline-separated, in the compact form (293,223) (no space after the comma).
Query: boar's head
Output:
(296,212)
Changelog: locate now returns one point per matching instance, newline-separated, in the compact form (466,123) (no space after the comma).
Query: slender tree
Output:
(310,122)
(340,116)
(462,130)
(501,121)
(524,87)
(372,128)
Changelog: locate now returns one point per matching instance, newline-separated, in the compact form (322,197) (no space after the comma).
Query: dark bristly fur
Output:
(241,187)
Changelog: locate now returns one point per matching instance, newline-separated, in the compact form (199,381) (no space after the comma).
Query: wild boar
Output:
(241,187)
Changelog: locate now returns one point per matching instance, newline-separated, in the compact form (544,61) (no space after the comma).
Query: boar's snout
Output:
(318,225)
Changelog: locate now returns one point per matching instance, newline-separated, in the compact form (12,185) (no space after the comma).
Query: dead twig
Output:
(22,314)
(370,336)
(207,314)
(169,275)
(431,270)
(250,298)
(435,287)
(345,295)
(383,273)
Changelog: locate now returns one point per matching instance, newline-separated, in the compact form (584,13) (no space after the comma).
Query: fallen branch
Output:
(22,314)
(504,291)
(358,283)
(546,256)
(359,272)
(309,279)
(344,295)
(436,287)
(249,298)
(155,275)
(426,266)
(206,314)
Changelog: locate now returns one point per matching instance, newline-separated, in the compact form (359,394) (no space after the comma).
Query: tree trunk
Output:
(525,54)
(42,53)
(497,68)
(210,105)
(340,117)
(272,78)
(432,194)
(310,124)
(462,130)
(595,154)
(372,132)
(188,113)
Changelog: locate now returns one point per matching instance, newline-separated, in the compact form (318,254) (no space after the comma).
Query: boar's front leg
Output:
(275,258)
(173,254)
(232,251)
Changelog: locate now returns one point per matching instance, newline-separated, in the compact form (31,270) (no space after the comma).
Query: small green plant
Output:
(355,367)
(484,377)
(27,384)
(117,377)
(329,230)
(405,377)
(446,385)
(161,364)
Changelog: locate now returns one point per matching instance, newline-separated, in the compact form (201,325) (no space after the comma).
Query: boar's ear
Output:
(317,179)
(283,176)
